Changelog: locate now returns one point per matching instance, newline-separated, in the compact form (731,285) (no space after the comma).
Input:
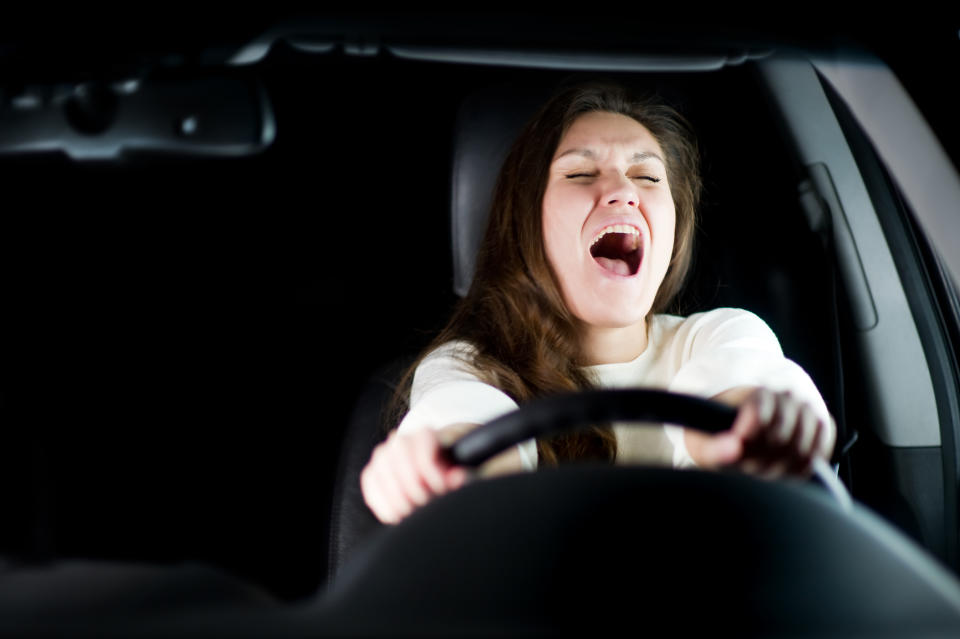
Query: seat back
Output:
(351,521)
(488,122)
(486,125)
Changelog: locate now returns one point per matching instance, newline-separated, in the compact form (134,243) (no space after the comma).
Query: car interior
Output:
(201,343)
(488,120)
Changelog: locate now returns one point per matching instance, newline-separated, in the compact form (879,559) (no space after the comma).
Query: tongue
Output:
(617,266)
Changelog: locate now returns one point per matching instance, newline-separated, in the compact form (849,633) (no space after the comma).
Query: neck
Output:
(614,345)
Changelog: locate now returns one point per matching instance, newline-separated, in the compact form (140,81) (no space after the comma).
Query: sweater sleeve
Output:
(727,348)
(446,391)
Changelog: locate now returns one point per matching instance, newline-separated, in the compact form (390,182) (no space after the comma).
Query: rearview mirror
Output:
(209,115)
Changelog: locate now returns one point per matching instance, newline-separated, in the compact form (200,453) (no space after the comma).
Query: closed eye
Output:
(574,176)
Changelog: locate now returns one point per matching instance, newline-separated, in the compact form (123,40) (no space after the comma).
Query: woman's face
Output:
(608,219)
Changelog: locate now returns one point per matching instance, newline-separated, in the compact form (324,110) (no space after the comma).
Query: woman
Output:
(589,240)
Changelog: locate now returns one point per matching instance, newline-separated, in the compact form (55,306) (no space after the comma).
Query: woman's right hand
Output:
(405,472)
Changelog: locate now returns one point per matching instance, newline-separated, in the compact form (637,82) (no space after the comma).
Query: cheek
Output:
(666,223)
(662,214)
(561,233)
(560,252)
(662,220)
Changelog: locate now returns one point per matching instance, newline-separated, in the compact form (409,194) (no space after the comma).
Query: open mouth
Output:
(618,249)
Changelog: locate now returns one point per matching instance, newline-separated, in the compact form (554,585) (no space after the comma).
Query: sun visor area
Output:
(200,115)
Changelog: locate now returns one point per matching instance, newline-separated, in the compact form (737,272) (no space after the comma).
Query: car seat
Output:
(726,272)
(487,123)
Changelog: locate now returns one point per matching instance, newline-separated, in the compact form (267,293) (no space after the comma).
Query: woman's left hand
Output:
(774,434)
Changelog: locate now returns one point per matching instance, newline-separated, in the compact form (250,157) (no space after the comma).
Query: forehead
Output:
(601,131)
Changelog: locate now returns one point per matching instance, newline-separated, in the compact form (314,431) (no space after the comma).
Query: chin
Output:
(612,308)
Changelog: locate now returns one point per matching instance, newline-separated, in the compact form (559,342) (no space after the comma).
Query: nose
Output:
(619,191)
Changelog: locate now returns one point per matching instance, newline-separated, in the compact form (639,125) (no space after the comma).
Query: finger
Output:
(368,488)
(379,506)
(785,423)
(407,472)
(455,477)
(426,451)
(722,449)
(795,453)
(828,440)
(376,493)
(821,432)
(388,479)
(785,449)
(810,431)
(803,446)
(754,414)
(747,416)
(396,504)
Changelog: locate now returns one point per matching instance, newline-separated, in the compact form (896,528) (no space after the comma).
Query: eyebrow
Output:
(637,157)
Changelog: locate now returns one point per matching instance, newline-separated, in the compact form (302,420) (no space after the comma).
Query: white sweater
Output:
(703,354)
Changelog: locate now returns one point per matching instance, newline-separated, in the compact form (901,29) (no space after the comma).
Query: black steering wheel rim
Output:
(566,411)
(559,413)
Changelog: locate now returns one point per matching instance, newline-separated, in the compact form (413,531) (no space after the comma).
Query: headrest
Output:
(487,123)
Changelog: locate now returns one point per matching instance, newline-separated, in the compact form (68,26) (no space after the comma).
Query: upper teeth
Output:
(615,228)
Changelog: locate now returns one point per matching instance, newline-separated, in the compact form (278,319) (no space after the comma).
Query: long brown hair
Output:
(526,342)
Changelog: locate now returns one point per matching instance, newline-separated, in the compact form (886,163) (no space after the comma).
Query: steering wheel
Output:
(551,415)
